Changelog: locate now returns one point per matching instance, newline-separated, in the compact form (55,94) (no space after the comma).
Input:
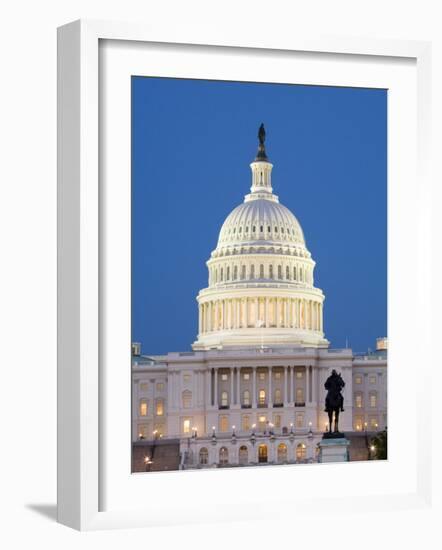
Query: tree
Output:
(379,444)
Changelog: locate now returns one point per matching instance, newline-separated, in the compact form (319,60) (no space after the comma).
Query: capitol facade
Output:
(251,391)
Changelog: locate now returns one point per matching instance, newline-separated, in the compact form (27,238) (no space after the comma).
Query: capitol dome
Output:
(260,289)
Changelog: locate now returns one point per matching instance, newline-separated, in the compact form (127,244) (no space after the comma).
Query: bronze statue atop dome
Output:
(261,155)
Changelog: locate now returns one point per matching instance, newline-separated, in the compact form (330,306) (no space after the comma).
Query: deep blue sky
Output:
(192,142)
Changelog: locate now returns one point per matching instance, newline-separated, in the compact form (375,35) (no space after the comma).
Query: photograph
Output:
(258,274)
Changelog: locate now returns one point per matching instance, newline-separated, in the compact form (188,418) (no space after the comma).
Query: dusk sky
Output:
(192,143)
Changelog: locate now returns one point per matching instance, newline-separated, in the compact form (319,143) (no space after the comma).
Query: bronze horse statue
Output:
(334,401)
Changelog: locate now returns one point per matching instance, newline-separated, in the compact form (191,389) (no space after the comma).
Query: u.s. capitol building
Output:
(252,390)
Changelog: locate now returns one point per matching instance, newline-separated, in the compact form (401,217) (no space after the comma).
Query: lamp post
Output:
(147,463)
(213,436)
(252,435)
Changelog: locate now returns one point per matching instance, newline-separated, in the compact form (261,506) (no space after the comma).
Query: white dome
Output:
(261,221)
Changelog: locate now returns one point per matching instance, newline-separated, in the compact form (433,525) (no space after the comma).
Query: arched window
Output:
(301,451)
(261,271)
(279,272)
(246,398)
(262,453)
(143,407)
(287,272)
(252,271)
(235,272)
(278,399)
(204,455)
(159,409)
(294,273)
(243,455)
(270,272)
(224,399)
(224,455)
(262,398)
(186,397)
(228,274)
(282,452)
(243,272)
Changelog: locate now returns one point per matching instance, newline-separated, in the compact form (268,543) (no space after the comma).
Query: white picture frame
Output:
(81,473)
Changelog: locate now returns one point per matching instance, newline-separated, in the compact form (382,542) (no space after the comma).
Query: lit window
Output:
(143,430)
(245,422)
(299,374)
(299,420)
(143,407)
(204,456)
(358,423)
(144,386)
(223,423)
(262,423)
(246,376)
(160,407)
(186,426)
(262,397)
(374,423)
(186,377)
(278,396)
(373,400)
(277,420)
(223,455)
(301,451)
(224,399)
(224,377)
(262,376)
(358,379)
(373,379)
(299,395)
(187,399)
(358,401)
(282,452)
(246,397)
(277,375)
(160,386)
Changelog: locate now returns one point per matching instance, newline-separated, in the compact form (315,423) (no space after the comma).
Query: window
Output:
(224,377)
(287,273)
(187,399)
(358,379)
(243,455)
(204,455)
(262,421)
(228,274)
(262,453)
(222,274)
(277,375)
(373,379)
(224,423)
(246,397)
(269,228)
(143,407)
(186,425)
(261,228)
(373,400)
(159,407)
(278,399)
(223,455)
(254,228)
(186,377)
(261,271)
(277,420)
(299,420)
(252,272)
(235,272)
(245,422)
(294,273)
(270,272)
(262,397)
(301,451)
(358,423)
(282,452)
(262,376)
(144,386)
(224,399)
(299,395)
(374,423)
(276,229)
(299,374)
(358,400)
(279,272)
(243,272)
(160,386)
(246,376)
(143,430)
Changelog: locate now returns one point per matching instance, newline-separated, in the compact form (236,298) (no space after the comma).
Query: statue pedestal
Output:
(334,449)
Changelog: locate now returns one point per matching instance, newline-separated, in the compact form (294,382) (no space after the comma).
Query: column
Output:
(277,312)
(246,312)
(310,383)
(291,398)
(270,399)
(215,385)
(209,317)
(231,400)
(208,397)
(238,380)
(254,387)
(320,317)
(286,397)
(266,312)
(200,318)
(286,312)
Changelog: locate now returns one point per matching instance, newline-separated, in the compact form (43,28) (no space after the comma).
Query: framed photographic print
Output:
(234,238)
